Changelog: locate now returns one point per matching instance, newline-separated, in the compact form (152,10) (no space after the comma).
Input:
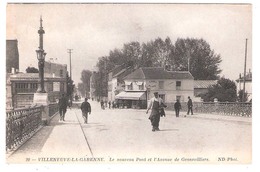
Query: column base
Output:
(42,99)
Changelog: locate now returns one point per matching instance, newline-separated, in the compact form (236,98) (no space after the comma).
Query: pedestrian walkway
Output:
(60,139)
(127,134)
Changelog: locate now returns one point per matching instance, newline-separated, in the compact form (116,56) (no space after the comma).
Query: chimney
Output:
(13,70)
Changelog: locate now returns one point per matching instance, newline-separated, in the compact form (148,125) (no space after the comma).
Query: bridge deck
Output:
(125,135)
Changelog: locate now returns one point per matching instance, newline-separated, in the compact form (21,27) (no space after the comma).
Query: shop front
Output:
(135,100)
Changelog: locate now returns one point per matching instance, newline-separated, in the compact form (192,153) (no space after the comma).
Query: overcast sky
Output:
(93,30)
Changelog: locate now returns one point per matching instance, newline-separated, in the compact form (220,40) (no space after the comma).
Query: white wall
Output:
(169,89)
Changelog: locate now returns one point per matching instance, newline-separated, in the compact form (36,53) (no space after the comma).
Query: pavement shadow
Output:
(169,130)
(91,125)
(67,122)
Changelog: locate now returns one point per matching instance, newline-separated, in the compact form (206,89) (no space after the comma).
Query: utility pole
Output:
(70,51)
(188,60)
(243,97)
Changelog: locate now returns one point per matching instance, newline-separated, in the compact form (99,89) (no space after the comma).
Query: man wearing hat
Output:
(63,103)
(155,103)
(85,109)
(189,106)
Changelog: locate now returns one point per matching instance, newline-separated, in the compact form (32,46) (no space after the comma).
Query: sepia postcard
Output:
(113,83)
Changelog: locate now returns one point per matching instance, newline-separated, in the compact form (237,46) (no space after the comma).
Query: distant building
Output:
(12,66)
(24,85)
(56,69)
(143,82)
(92,93)
(248,84)
(115,80)
(202,86)
(9,103)
(20,87)
(12,56)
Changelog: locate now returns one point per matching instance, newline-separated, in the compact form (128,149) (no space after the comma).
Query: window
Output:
(141,87)
(50,86)
(161,84)
(62,87)
(178,98)
(33,87)
(178,85)
(130,87)
(61,73)
(22,87)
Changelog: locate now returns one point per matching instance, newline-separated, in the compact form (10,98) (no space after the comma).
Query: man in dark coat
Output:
(177,107)
(63,104)
(85,109)
(189,106)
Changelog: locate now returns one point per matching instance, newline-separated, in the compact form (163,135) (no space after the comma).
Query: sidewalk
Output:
(57,140)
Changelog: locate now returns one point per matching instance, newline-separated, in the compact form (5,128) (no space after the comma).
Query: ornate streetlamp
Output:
(41,59)
(41,96)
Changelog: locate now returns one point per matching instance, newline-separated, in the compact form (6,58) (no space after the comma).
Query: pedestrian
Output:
(113,104)
(161,109)
(105,104)
(63,104)
(85,109)
(189,106)
(154,117)
(109,104)
(102,104)
(177,107)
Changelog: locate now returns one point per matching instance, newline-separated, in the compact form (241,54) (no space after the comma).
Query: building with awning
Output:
(171,85)
(116,83)
(131,96)
(135,100)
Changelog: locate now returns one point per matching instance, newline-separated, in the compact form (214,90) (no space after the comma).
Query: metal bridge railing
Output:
(21,124)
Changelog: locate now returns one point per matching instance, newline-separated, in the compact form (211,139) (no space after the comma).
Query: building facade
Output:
(12,56)
(143,82)
(24,85)
(56,69)
(93,86)
(248,84)
(116,83)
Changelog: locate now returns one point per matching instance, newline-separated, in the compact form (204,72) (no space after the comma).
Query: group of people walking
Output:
(63,104)
(157,106)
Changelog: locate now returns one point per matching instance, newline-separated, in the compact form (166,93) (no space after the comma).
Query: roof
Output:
(158,73)
(204,83)
(32,76)
(117,69)
(131,96)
